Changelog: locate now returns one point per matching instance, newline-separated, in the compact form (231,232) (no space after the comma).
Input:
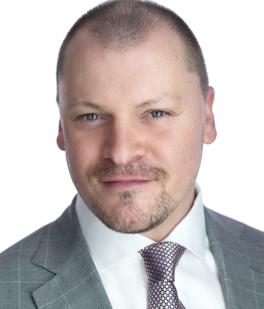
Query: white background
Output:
(34,181)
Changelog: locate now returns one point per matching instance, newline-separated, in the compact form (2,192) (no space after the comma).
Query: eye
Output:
(158,114)
(88,117)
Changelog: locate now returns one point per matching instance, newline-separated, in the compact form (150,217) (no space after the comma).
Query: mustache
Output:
(111,169)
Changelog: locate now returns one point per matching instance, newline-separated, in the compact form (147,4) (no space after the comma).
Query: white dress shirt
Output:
(122,270)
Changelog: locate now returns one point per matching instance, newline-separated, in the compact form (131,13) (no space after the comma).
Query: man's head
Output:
(135,111)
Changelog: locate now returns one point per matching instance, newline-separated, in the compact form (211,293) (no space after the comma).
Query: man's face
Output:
(133,124)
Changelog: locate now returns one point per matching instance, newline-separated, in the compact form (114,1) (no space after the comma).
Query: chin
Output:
(131,218)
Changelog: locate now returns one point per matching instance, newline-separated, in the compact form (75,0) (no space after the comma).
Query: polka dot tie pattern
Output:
(160,261)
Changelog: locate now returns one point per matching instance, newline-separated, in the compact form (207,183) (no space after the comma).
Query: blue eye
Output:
(88,117)
(158,114)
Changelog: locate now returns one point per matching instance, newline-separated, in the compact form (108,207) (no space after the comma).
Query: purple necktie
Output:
(160,261)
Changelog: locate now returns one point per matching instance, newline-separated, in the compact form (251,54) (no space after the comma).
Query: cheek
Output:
(81,152)
(180,151)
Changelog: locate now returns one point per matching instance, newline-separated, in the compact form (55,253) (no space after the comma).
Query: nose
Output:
(124,143)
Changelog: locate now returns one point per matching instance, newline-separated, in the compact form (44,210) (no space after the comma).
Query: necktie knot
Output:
(161,259)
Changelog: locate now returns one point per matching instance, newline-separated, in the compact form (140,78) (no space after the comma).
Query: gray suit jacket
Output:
(52,268)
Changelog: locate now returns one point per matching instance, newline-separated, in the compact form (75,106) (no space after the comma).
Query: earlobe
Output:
(60,138)
(209,124)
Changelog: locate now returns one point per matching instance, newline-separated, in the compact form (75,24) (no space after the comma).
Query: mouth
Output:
(124,182)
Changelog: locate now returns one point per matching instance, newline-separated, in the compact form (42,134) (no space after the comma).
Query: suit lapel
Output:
(75,283)
(240,262)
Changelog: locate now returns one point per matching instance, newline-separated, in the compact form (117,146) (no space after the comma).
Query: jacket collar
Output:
(239,255)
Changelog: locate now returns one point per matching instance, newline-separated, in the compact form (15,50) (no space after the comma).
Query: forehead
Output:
(161,40)
(153,65)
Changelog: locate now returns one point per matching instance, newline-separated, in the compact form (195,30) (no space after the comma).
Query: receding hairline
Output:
(124,24)
(86,32)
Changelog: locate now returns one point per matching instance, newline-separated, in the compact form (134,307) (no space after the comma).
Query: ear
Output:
(209,123)
(60,138)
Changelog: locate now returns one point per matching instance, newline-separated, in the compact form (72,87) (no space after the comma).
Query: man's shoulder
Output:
(236,227)
(18,275)
(27,245)
(23,265)
(19,255)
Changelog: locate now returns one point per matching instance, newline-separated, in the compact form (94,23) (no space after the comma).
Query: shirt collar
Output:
(108,247)
(191,231)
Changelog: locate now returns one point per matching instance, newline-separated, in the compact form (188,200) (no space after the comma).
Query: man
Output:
(135,109)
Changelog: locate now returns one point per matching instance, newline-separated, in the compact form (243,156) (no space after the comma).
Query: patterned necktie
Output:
(160,261)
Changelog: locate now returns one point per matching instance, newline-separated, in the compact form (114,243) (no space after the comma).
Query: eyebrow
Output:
(68,105)
(176,100)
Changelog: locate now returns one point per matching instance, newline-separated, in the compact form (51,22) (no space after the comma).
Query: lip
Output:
(124,182)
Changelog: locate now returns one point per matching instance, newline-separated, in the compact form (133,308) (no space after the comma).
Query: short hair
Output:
(125,23)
